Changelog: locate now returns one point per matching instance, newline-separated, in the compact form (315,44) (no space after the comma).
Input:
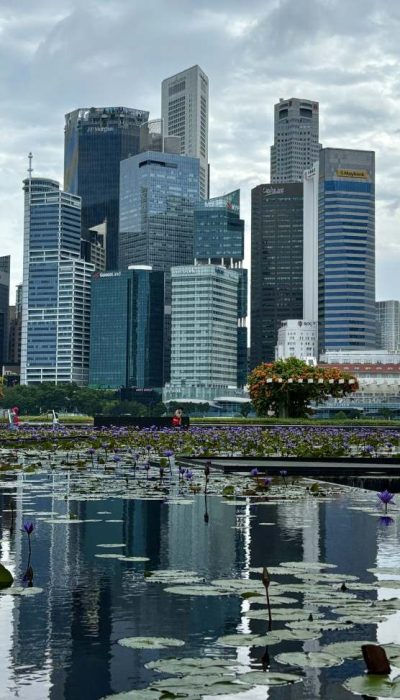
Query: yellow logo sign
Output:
(362,174)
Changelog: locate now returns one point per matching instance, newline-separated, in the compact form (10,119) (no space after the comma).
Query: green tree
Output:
(286,387)
(245,409)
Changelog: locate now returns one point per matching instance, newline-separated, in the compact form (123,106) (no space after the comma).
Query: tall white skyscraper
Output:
(296,139)
(204,332)
(184,109)
(56,287)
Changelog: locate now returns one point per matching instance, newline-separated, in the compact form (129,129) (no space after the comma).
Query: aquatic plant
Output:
(386,497)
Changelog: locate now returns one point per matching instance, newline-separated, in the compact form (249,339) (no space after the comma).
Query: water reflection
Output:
(61,644)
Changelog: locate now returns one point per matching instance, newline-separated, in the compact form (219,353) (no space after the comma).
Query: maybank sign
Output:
(354,174)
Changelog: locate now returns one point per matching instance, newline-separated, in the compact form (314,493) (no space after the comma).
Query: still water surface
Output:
(62,644)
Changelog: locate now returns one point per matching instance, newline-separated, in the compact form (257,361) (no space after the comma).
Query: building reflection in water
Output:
(61,644)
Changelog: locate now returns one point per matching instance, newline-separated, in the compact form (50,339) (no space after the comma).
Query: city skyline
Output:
(245,83)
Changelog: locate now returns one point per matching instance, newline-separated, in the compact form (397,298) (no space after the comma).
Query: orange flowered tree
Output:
(286,387)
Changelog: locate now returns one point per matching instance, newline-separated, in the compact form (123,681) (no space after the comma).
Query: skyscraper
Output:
(15,327)
(276,264)
(56,287)
(219,239)
(204,332)
(96,140)
(158,195)
(184,109)
(296,139)
(126,339)
(388,325)
(4,307)
(346,250)
(310,243)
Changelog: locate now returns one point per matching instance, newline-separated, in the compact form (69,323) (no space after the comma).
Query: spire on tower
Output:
(30,169)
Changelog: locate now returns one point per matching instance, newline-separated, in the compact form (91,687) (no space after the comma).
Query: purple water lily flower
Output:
(283,472)
(29,527)
(386,520)
(188,474)
(267,482)
(116,458)
(386,497)
(254,472)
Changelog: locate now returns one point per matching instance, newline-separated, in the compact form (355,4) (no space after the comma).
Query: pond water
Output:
(62,643)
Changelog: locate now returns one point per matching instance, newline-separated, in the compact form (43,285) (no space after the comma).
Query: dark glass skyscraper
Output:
(4,307)
(96,140)
(126,336)
(276,264)
(219,240)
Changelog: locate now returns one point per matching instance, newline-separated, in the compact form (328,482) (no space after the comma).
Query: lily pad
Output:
(282,614)
(197,590)
(122,558)
(260,678)
(133,695)
(346,650)
(249,640)
(374,686)
(186,666)
(150,642)
(109,555)
(21,591)
(312,659)
(109,546)
(6,577)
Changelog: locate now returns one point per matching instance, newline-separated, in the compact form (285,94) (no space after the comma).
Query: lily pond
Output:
(136,578)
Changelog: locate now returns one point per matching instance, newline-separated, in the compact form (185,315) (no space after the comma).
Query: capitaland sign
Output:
(355,174)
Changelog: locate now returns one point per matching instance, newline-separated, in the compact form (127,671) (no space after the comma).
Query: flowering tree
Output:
(286,387)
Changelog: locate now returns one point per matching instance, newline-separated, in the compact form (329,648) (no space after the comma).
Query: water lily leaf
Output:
(274,600)
(312,659)
(260,678)
(212,666)
(197,590)
(6,577)
(150,642)
(323,625)
(239,584)
(374,686)
(109,546)
(298,635)
(282,614)
(21,591)
(307,565)
(249,640)
(122,558)
(346,650)
(385,570)
(134,695)
(109,555)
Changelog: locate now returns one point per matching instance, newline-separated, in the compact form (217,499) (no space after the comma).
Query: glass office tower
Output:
(219,240)
(158,195)
(126,339)
(96,140)
(276,264)
(346,250)
(388,325)
(4,308)
(56,287)
(296,139)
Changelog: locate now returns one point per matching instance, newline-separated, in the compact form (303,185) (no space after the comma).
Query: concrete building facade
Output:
(296,139)
(184,110)
(297,338)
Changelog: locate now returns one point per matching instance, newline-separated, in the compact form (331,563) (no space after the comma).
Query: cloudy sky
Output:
(56,56)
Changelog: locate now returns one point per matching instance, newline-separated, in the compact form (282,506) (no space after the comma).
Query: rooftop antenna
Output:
(30,169)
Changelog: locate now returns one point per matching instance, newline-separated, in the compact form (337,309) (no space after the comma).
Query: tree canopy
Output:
(286,387)
(70,398)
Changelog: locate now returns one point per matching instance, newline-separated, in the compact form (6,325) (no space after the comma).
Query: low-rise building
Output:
(297,338)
